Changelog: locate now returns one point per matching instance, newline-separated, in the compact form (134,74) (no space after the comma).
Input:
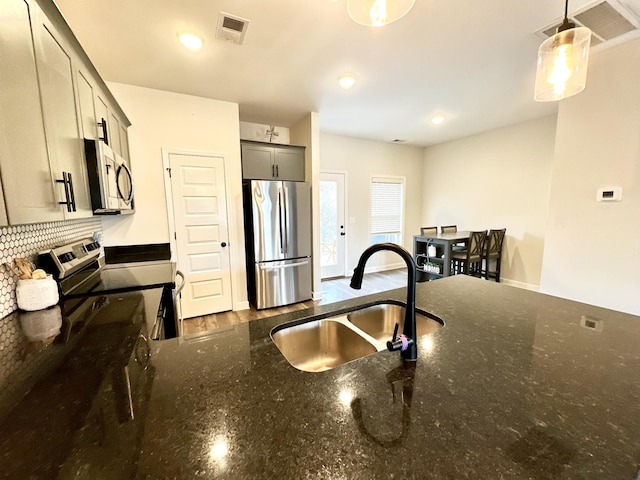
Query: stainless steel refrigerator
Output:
(278,241)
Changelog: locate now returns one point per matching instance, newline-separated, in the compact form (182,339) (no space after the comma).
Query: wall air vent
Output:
(231,28)
(610,22)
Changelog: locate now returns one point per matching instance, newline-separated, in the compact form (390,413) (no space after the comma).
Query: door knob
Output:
(223,244)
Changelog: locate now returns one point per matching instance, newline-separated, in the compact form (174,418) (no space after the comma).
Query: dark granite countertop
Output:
(516,385)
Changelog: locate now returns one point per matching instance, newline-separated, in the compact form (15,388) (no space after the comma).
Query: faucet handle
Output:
(399,343)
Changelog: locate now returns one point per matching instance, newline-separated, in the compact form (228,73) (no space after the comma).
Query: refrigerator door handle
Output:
(282,221)
(280,267)
(286,218)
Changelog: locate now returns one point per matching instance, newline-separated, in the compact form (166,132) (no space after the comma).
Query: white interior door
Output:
(198,195)
(333,231)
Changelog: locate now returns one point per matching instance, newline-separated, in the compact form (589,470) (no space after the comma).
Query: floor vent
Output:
(231,28)
(609,20)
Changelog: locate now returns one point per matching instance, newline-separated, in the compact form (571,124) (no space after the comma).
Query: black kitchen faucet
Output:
(406,343)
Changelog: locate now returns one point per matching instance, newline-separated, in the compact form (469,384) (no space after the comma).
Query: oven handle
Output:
(176,301)
(179,288)
(157,332)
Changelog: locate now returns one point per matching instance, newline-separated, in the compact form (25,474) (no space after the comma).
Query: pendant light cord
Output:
(566,24)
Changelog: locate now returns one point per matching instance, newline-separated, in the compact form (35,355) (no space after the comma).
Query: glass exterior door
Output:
(332,227)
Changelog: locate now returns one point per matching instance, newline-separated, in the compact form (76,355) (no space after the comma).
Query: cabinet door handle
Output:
(277,172)
(64,181)
(72,197)
(273,170)
(105,136)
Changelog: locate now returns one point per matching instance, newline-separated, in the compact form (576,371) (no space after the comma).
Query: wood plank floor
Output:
(333,290)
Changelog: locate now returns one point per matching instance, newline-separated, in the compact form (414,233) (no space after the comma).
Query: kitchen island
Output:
(515,385)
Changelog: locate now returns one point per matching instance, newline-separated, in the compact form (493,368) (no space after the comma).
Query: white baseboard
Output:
(316,296)
(383,268)
(525,286)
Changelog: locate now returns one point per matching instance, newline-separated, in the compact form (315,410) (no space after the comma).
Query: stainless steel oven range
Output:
(88,285)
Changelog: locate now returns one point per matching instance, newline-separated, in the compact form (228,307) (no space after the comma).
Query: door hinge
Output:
(169,171)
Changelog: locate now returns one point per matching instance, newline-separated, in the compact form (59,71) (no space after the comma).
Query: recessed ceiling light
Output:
(347,82)
(190,41)
(437,119)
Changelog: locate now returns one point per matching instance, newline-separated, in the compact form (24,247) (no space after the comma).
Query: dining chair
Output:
(493,253)
(428,231)
(458,247)
(470,261)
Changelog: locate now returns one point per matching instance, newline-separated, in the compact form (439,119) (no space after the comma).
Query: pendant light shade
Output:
(562,62)
(377,13)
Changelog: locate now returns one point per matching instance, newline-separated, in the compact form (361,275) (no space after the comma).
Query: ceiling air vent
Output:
(231,28)
(608,20)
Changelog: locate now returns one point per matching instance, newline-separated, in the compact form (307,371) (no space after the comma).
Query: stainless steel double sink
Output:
(321,344)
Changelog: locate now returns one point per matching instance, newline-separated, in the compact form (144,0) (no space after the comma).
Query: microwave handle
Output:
(126,170)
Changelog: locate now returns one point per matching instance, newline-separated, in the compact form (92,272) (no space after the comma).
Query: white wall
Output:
(174,121)
(363,159)
(498,179)
(307,132)
(592,251)
(257,133)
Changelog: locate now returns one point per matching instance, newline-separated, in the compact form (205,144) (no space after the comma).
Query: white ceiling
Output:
(472,60)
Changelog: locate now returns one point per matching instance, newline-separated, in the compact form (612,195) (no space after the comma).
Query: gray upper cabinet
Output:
(24,161)
(124,143)
(264,161)
(86,95)
(114,132)
(102,117)
(52,97)
(290,163)
(257,161)
(98,119)
(65,146)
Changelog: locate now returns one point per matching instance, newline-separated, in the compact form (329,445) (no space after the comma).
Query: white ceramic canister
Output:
(37,294)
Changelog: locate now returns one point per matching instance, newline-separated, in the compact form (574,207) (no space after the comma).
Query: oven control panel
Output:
(63,260)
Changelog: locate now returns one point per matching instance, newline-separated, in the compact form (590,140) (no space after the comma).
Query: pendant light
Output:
(562,62)
(377,13)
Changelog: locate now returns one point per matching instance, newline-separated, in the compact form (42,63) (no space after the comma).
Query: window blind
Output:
(386,205)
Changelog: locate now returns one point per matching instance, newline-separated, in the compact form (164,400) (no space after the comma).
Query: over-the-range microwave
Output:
(110,181)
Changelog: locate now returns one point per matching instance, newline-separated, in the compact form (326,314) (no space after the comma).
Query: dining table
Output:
(441,260)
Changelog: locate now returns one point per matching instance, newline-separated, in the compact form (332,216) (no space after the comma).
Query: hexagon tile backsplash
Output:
(26,241)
